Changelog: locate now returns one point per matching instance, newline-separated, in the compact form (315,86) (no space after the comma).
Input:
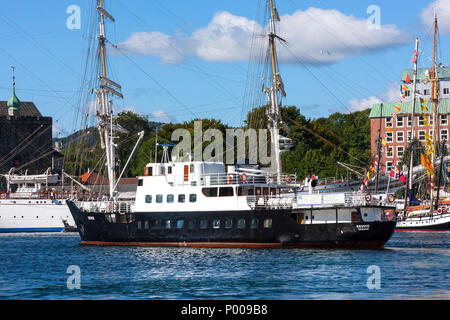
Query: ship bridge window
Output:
(181,198)
(226,192)
(193,197)
(159,198)
(210,192)
(148,199)
(170,198)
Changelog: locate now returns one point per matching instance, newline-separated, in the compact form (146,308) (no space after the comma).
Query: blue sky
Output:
(190,58)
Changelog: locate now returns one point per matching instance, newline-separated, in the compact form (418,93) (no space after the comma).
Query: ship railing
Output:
(270,202)
(235,178)
(36,195)
(106,206)
(342,199)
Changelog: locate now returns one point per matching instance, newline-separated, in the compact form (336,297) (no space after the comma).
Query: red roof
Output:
(93,178)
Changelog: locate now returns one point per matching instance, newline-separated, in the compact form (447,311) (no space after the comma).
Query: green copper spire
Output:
(14,102)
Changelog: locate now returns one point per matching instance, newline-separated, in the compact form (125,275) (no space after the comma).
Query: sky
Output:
(178,60)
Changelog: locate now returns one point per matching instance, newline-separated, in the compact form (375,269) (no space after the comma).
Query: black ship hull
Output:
(284,231)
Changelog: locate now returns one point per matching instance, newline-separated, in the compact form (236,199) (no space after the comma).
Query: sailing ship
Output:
(182,202)
(34,206)
(434,214)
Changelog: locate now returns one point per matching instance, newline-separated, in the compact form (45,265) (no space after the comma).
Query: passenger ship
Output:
(204,204)
(30,208)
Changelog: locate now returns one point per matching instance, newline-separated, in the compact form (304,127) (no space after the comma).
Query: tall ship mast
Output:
(192,203)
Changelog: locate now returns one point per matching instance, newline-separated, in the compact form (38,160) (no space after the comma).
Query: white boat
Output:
(33,207)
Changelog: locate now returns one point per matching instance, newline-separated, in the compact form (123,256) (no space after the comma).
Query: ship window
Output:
(139,225)
(203,224)
(141,182)
(180,224)
(254,223)
(169,170)
(148,199)
(191,169)
(210,192)
(157,224)
(146,225)
(226,192)
(159,198)
(216,224)
(168,224)
(241,224)
(193,197)
(191,224)
(268,223)
(181,198)
(228,224)
(170,198)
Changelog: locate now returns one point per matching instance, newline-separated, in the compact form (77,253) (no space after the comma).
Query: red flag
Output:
(408,79)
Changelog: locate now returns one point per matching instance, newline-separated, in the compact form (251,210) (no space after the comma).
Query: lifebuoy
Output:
(390,198)
(244,177)
(440,210)
(368,197)
(288,179)
(229,179)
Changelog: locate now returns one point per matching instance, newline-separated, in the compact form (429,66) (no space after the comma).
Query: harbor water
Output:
(413,265)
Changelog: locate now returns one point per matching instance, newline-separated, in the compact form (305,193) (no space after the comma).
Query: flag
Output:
(426,163)
(422,100)
(397,173)
(408,79)
(414,60)
(415,53)
(397,108)
(405,88)
(389,129)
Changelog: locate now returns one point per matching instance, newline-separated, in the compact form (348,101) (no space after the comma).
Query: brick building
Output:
(25,137)
(400,136)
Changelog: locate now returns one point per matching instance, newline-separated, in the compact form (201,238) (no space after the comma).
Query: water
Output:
(414,265)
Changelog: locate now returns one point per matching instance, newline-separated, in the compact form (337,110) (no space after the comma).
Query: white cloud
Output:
(390,95)
(443,14)
(315,35)
(160,116)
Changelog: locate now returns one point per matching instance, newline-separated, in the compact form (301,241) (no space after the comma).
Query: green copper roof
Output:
(14,102)
(443,73)
(382,110)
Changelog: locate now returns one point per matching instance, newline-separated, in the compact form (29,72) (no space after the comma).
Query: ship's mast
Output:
(104,112)
(435,101)
(274,114)
(413,114)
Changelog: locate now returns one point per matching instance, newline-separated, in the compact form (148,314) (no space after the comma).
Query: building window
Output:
(426,92)
(388,165)
(400,151)
(389,152)
(159,198)
(170,198)
(389,137)
(421,123)
(148,199)
(193,197)
(421,135)
(399,122)
(268,223)
(444,119)
(408,136)
(400,136)
(409,121)
(446,91)
(388,120)
(216,224)
(444,134)
(241,224)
